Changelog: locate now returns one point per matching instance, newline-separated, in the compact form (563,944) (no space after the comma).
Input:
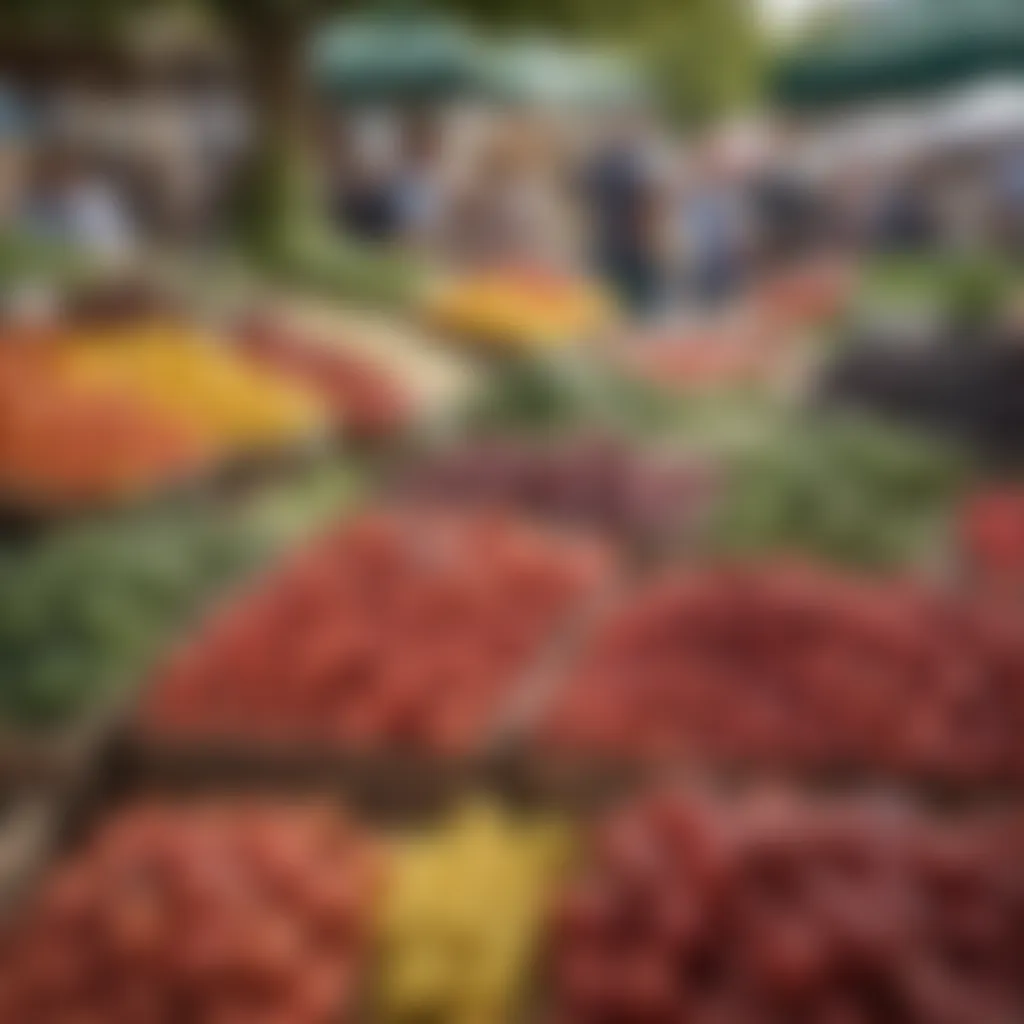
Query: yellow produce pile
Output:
(462,914)
(521,309)
(195,382)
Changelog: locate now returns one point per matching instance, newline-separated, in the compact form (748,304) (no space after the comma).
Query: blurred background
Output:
(676,151)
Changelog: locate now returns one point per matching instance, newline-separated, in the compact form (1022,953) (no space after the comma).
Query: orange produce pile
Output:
(212,914)
(63,443)
(88,418)
(408,631)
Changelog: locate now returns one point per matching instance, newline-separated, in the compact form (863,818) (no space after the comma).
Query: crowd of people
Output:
(619,199)
(661,221)
(107,175)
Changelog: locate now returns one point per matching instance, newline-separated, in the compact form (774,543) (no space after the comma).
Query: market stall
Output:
(456,649)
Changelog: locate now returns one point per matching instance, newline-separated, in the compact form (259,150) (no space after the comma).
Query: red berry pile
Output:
(396,630)
(801,668)
(992,537)
(773,911)
(209,915)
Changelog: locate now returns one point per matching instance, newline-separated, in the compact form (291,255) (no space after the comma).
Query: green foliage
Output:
(65,19)
(706,56)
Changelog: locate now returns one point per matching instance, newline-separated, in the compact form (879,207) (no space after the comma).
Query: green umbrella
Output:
(543,73)
(396,54)
(902,47)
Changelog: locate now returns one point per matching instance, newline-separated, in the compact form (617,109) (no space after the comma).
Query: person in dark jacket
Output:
(621,204)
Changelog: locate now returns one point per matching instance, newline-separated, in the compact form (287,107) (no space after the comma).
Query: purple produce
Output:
(635,496)
(776,910)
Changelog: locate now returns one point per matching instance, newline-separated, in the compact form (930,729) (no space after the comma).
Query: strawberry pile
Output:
(208,914)
(397,630)
(773,911)
(799,668)
(992,537)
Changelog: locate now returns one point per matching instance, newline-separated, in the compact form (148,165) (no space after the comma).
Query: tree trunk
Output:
(275,186)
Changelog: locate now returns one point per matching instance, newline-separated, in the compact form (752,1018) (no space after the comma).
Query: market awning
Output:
(544,73)
(901,47)
(396,55)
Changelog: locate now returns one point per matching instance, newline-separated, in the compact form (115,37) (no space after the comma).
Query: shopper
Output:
(716,230)
(622,199)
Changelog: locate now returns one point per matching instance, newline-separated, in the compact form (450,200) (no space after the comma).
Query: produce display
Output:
(461,917)
(964,384)
(194,381)
(795,667)
(361,398)
(763,347)
(711,357)
(93,417)
(962,285)
(83,611)
(991,532)
(437,379)
(598,482)
(211,914)
(668,692)
(315,259)
(27,826)
(406,631)
(543,398)
(774,910)
(845,491)
(62,444)
(838,487)
(520,308)
(808,296)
